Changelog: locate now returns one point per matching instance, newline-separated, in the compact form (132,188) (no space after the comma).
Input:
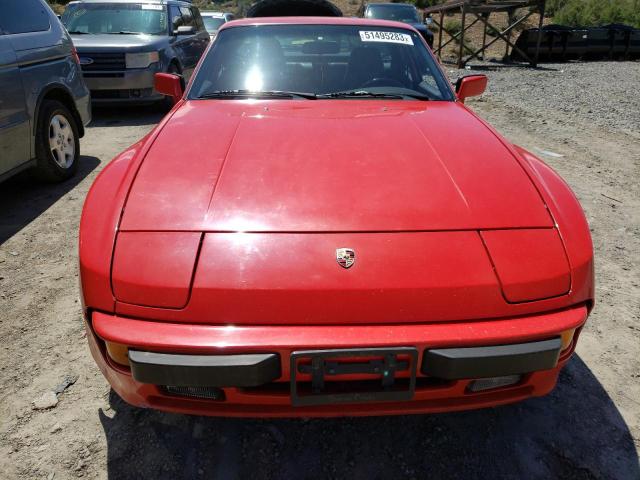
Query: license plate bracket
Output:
(380,364)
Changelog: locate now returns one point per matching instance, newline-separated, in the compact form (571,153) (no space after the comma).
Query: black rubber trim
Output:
(496,361)
(250,370)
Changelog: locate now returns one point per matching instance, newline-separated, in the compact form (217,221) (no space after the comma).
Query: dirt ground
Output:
(588,428)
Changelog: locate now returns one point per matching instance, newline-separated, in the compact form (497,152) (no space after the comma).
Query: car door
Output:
(15,135)
(179,42)
(202,36)
(189,41)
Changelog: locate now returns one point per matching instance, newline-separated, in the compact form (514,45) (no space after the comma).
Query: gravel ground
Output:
(589,428)
(601,93)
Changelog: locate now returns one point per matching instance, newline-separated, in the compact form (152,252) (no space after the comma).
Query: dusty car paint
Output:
(235,252)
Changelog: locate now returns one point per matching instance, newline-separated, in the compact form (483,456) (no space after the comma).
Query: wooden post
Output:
(464,24)
(510,22)
(440,34)
(541,8)
(484,34)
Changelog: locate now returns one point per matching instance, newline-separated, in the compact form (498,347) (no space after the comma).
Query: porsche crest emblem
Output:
(346,257)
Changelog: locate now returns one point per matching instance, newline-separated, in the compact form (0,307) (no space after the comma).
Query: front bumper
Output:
(123,86)
(431,393)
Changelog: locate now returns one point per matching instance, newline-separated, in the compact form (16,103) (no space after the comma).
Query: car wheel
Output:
(57,143)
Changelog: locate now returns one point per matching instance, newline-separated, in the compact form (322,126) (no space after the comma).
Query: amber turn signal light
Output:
(118,353)
(567,338)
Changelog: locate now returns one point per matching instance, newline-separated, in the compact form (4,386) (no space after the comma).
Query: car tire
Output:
(57,143)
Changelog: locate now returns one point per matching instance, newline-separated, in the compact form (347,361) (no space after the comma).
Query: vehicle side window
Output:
(198,19)
(187,17)
(176,17)
(24,16)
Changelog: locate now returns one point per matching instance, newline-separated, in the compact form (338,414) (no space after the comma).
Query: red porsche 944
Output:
(320,227)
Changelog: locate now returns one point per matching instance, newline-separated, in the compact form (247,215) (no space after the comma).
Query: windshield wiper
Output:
(360,93)
(366,94)
(77,32)
(417,96)
(125,32)
(257,94)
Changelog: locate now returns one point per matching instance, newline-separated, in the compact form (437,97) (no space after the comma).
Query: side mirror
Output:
(170,85)
(471,86)
(185,30)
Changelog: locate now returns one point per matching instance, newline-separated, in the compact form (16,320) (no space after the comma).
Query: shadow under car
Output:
(576,432)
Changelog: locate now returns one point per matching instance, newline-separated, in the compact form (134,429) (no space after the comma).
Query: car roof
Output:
(210,13)
(363,22)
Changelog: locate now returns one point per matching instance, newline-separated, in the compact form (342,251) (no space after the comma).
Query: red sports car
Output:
(320,227)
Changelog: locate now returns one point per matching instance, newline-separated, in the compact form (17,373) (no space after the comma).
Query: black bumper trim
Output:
(496,361)
(250,370)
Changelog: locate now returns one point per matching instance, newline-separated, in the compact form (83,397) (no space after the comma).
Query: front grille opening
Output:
(494,383)
(349,386)
(207,393)
(284,388)
(126,94)
(100,61)
(103,74)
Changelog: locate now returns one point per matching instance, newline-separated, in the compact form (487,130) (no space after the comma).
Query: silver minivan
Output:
(44,102)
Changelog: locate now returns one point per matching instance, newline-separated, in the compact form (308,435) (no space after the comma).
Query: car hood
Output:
(329,166)
(107,42)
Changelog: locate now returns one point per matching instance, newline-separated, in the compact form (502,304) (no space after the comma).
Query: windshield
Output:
(397,13)
(320,60)
(212,24)
(115,18)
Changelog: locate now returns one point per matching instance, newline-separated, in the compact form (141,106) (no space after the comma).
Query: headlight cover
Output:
(141,60)
(154,269)
(531,264)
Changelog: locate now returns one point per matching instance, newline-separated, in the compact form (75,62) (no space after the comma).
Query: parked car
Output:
(123,43)
(214,20)
(44,102)
(399,12)
(351,239)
